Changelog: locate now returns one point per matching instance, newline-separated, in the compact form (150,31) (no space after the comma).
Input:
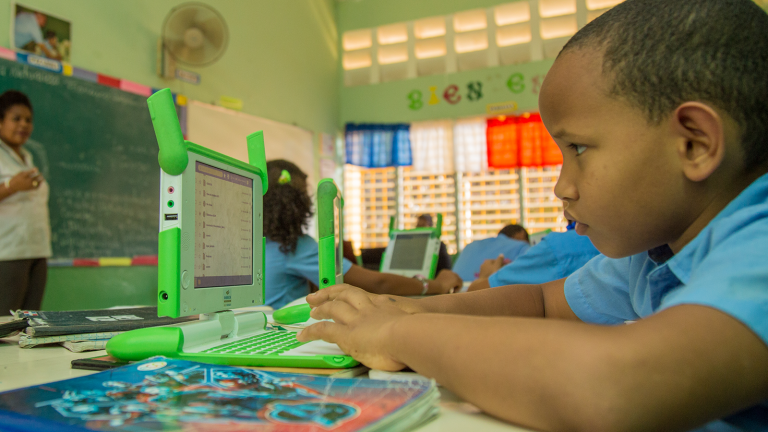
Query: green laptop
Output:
(413,252)
(211,258)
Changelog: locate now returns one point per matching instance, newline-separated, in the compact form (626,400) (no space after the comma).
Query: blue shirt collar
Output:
(681,263)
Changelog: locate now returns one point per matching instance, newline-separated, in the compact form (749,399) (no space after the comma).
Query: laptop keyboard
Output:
(271,342)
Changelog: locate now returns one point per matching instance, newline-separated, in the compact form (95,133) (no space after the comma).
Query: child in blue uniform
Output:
(511,242)
(556,256)
(291,258)
(660,108)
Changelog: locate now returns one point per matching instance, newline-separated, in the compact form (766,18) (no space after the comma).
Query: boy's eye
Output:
(579,149)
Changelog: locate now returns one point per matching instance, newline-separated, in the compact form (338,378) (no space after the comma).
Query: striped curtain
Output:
(378,145)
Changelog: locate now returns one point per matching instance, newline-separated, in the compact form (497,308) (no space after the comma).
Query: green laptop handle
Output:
(292,314)
(438,226)
(173,156)
(327,191)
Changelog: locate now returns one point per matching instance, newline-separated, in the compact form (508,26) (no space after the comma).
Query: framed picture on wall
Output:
(40,33)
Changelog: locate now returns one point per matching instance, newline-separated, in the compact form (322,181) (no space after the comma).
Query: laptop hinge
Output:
(213,327)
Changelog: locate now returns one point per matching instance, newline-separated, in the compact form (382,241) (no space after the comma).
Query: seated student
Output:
(555,257)
(511,242)
(661,111)
(292,256)
(443,258)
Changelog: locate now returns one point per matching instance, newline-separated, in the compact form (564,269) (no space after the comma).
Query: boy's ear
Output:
(701,147)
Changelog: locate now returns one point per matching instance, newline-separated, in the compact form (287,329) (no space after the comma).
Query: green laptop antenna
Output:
(173,156)
(392,220)
(438,226)
(257,157)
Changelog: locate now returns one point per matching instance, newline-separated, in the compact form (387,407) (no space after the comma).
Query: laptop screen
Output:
(223,228)
(409,250)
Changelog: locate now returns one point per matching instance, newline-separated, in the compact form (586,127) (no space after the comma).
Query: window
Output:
(425,193)
(542,210)
(432,146)
(470,150)
(369,201)
(489,201)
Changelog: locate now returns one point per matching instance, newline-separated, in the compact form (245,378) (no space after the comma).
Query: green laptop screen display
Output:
(409,251)
(223,228)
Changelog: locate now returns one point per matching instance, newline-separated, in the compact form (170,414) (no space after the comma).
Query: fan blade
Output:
(183,54)
(204,13)
(180,20)
(215,31)
(210,52)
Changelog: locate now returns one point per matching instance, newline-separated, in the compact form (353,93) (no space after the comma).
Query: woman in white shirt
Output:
(25,231)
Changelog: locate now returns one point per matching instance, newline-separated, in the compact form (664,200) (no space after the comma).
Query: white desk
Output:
(43,364)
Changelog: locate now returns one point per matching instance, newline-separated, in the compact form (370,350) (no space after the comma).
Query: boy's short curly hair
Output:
(11,98)
(658,54)
(287,207)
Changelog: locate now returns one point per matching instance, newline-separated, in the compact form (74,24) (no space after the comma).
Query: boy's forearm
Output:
(675,370)
(513,300)
(515,369)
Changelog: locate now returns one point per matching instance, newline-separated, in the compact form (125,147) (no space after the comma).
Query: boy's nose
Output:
(565,188)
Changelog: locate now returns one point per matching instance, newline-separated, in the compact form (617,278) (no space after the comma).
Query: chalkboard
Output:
(96,148)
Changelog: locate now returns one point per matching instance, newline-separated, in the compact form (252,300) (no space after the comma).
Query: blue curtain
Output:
(378,145)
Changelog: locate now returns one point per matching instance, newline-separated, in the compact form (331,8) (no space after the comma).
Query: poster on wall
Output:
(40,33)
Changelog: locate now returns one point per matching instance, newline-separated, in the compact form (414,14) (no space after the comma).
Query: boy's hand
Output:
(491,266)
(449,281)
(362,325)
(26,180)
(330,294)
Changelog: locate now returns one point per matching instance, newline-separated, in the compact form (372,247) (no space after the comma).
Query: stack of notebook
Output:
(177,395)
(82,330)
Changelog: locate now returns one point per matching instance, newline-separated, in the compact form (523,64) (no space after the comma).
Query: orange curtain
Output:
(502,139)
(522,141)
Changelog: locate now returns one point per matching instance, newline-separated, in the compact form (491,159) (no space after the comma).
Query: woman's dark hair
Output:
(287,207)
(11,98)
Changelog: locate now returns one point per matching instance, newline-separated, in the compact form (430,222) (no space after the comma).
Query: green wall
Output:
(282,57)
(71,288)
(282,61)
(425,98)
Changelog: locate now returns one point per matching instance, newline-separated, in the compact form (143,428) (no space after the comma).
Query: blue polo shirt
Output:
(725,267)
(286,275)
(556,256)
(474,254)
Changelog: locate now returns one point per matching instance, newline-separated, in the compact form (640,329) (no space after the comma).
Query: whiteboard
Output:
(224,131)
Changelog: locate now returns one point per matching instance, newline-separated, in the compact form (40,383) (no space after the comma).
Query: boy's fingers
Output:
(318,298)
(357,298)
(327,294)
(326,330)
(339,311)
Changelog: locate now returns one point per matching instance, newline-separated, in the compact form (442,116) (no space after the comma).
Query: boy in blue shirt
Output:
(661,111)
(556,256)
(511,242)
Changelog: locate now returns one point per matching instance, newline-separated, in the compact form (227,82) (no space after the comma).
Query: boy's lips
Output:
(581,228)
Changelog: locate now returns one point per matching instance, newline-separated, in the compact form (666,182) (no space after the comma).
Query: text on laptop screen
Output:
(337,236)
(409,250)
(223,228)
